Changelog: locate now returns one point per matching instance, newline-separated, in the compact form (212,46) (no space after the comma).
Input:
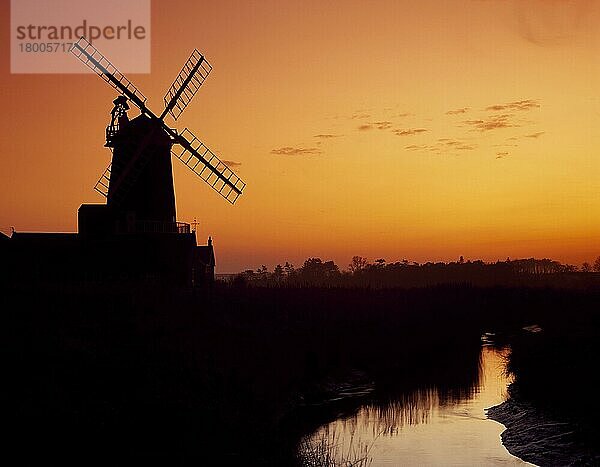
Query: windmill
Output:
(138,184)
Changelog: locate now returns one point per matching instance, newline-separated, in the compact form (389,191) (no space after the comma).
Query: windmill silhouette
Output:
(138,184)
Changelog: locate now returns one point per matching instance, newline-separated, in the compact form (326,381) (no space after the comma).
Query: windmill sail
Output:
(102,183)
(186,85)
(99,64)
(204,163)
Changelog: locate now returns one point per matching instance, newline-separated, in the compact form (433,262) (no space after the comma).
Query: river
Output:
(426,426)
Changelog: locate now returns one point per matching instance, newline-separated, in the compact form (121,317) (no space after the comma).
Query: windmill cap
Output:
(122,100)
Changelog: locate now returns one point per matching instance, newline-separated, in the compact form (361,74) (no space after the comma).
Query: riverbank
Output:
(552,412)
(539,437)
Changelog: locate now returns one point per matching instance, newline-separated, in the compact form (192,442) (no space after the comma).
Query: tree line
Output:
(380,273)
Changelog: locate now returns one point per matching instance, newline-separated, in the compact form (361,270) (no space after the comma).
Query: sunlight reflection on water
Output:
(428,426)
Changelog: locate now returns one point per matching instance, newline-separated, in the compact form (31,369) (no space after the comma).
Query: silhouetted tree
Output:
(262,274)
(586,267)
(358,264)
(289,270)
(597,264)
(278,274)
(315,271)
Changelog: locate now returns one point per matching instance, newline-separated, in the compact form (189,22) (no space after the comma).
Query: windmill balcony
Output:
(154,227)
(111,131)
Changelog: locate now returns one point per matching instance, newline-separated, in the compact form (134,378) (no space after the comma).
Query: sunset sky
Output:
(387,129)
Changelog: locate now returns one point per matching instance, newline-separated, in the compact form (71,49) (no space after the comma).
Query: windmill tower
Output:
(138,184)
(137,225)
(147,196)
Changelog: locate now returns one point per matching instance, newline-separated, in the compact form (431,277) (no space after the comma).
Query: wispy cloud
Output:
(501,155)
(382,125)
(360,115)
(526,104)
(458,111)
(326,136)
(365,127)
(492,123)
(232,164)
(450,142)
(443,146)
(416,147)
(535,135)
(291,151)
(409,131)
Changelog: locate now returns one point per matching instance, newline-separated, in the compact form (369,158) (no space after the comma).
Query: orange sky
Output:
(323,103)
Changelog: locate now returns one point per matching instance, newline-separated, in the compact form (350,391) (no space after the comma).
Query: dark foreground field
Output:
(226,377)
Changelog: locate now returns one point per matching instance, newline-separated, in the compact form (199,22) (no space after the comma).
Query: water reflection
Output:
(438,424)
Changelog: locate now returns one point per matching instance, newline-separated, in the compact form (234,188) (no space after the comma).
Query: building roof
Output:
(43,237)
